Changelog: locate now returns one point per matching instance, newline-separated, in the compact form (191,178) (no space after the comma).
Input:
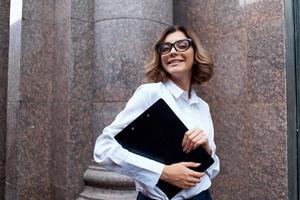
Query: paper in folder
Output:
(157,134)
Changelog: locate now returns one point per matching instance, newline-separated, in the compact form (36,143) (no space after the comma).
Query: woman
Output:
(178,62)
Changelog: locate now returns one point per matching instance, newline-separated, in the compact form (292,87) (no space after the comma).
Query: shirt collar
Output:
(177,92)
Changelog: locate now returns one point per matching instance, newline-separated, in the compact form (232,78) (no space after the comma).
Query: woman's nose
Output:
(173,50)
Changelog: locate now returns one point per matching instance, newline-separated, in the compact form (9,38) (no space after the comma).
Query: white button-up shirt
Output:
(193,112)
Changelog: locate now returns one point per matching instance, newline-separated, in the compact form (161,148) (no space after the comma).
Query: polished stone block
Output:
(42,11)
(231,148)
(267,151)
(34,122)
(121,49)
(4,33)
(229,16)
(204,10)
(12,145)
(37,47)
(264,10)
(83,10)
(246,95)
(231,71)
(81,142)
(265,58)
(61,68)
(104,114)
(58,192)
(28,149)
(266,40)
(81,66)
(58,171)
(156,10)
(62,10)
(73,72)
(3,125)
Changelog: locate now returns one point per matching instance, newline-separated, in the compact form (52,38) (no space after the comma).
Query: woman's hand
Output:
(180,175)
(193,138)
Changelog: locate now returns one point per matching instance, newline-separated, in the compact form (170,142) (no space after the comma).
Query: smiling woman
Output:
(178,62)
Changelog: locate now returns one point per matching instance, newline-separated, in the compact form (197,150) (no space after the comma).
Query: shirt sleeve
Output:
(110,154)
(214,169)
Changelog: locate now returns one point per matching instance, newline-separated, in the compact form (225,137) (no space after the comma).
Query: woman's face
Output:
(178,64)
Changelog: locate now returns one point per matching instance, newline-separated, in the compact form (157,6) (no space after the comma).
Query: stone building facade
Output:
(67,67)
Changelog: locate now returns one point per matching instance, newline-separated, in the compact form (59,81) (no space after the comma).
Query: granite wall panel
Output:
(37,47)
(72,96)
(42,11)
(82,61)
(247,43)
(33,154)
(104,114)
(145,10)
(3,125)
(267,151)
(31,56)
(121,49)
(83,10)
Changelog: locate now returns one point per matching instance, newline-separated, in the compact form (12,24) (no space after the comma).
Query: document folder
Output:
(157,134)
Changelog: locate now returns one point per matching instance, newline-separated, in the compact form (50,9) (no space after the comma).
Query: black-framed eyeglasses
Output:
(179,45)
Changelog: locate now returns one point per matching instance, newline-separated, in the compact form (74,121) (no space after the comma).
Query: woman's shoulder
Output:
(150,91)
(150,87)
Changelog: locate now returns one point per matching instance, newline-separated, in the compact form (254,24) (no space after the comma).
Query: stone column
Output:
(4,36)
(31,55)
(72,138)
(124,34)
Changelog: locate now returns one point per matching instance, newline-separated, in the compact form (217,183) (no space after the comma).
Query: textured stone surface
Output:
(42,11)
(81,141)
(103,114)
(102,178)
(11,144)
(82,61)
(37,47)
(158,11)
(266,62)
(121,49)
(267,151)
(62,10)
(33,148)
(264,10)
(3,124)
(83,10)
(107,194)
(61,68)
(28,149)
(229,16)
(246,96)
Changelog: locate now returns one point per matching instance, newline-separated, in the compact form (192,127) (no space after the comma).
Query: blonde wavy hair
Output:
(202,67)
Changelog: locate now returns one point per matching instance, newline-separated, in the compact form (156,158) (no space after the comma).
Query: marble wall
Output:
(4,37)
(123,39)
(31,55)
(247,94)
(71,142)
(74,64)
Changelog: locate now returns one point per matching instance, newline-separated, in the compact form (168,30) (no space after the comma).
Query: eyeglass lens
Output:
(180,45)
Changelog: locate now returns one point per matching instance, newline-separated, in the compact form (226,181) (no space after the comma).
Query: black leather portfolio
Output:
(157,134)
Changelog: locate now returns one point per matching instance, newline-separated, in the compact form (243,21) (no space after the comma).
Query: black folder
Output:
(157,134)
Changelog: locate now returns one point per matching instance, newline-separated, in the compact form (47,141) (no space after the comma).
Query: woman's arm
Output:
(110,154)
